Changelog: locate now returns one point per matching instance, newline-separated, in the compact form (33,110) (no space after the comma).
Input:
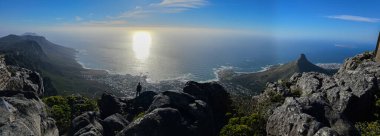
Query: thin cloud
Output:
(106,23)
(58,18)
(78,18)
(355,18)
(344,46)
(183,3)
(137,12)
(165,6)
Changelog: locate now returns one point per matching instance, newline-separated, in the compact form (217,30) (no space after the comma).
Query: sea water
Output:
(197,57)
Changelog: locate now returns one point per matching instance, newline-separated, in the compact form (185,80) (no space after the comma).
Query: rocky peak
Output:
(303,62)
(30,34)
(302,58)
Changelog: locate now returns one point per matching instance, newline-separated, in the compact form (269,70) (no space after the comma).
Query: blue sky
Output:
(352,20)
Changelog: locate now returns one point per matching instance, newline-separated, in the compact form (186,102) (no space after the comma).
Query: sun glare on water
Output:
(141,44)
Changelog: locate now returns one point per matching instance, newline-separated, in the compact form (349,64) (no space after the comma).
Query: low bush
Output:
(65,108)
(250,125)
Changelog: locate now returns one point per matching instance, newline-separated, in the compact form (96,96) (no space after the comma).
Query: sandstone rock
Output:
(144,99)
(215,96)
(196,113)
(24,115)
(86,124)
(159,122)
(340,97)
(108,105)
(114,123)
(19,79)
(201,111)
(132,107)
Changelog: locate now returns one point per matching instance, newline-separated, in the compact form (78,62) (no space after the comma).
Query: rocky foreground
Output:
(199,109)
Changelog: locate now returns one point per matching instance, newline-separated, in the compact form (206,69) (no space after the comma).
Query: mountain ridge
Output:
(257,81)
(57,65)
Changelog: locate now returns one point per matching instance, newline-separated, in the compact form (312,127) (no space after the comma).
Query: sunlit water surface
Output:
(164,55)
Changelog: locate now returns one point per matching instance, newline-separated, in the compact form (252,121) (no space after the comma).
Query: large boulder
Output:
(108,105)
(144,99)
(20,79)
(132,107)
(23,113)
(215,96)
(196,114)
(87,124)
(113,124)
(159,122)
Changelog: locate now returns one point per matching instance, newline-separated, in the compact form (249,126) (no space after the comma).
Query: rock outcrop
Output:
(328,105)
(22,112)
(87,124)
(199,109)
(19,79)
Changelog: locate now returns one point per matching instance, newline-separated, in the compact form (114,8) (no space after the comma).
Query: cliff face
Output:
(22,112)
(327,105)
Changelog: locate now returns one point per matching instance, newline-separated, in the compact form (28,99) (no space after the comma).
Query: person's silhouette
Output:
(138,89)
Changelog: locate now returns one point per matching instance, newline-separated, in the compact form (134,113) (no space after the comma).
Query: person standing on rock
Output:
(138,89)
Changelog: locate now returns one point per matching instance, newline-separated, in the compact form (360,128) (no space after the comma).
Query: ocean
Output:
(195,57)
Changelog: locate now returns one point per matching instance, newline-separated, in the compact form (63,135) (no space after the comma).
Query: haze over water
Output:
(195,56)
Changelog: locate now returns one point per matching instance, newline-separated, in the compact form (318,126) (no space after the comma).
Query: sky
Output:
(352,20)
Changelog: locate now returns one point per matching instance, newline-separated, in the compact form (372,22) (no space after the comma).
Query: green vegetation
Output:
(250,125)
(250,116)
(367,56)
(251,113)
(65,108)
(368,128)
(60,111)
(141,114)
(275,97)
(297,92)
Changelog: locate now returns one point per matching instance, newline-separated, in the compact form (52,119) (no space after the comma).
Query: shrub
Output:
(60,111)
(141,114)
(244,126)
(297,92)
(276,97)
(65,108)
(369,128)
(236,130)
(81,104)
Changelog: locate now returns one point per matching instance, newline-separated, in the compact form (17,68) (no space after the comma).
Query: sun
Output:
(141,44)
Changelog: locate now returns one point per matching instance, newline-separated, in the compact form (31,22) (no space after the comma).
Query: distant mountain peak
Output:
(302,58)
(30,34)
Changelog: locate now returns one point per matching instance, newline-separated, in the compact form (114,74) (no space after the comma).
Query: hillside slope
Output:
(61,72)
(257,81)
